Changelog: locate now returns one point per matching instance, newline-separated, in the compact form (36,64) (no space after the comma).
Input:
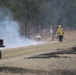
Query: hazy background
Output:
(28,18)
(37,16)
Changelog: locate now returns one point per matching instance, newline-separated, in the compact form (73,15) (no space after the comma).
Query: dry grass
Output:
(13,52)
(46,59)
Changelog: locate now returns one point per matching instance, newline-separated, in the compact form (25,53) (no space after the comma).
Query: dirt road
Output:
(47,59)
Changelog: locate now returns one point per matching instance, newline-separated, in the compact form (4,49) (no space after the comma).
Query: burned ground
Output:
(22,71)
(55,54)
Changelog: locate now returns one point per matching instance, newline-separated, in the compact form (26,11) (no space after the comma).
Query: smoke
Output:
(9,31)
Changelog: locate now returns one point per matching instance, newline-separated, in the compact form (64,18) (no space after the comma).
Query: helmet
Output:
(59,26)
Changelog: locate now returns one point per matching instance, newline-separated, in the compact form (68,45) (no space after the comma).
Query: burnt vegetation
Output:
(56,54)
(15,70)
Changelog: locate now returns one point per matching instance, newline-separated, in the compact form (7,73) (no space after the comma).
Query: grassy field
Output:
(52,58)
(33,49)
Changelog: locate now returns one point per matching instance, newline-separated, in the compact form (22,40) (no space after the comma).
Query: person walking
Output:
(60,33)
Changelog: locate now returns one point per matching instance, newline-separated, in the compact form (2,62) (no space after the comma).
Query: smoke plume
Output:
(9,31)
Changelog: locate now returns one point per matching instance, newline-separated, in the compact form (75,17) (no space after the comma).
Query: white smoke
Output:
(9,32)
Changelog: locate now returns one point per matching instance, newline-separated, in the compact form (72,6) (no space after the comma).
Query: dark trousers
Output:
(61,38)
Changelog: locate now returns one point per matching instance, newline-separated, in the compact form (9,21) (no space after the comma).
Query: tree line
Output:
(35,16)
